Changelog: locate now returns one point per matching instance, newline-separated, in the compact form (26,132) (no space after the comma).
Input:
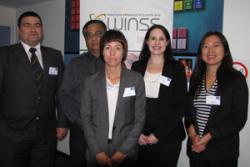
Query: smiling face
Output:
(113,54)
(157,42)
(30,30)
(212,51)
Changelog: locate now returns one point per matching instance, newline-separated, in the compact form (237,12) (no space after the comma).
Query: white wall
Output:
(8,18)
(236,29)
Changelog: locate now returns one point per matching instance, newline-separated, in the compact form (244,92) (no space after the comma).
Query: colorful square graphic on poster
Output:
(196,22)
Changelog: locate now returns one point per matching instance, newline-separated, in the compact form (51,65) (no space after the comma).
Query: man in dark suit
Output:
(70,95)
(30,75)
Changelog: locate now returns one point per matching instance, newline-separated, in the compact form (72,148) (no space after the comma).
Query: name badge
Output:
(53,71)
(164,80)
(129,92)
(213,100)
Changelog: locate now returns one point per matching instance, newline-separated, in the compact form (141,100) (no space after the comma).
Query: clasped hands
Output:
(147,140)
(199,143)
(104,160)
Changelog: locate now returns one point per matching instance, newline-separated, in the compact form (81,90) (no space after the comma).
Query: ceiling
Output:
(19,3)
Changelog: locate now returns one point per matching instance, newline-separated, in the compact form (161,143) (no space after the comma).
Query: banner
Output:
(132,17)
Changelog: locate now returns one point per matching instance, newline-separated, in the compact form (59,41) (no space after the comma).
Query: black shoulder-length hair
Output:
(225,69)
(145,53)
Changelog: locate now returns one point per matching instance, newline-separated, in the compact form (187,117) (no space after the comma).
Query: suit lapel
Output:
(122,86)
(167,71)
(23,58)
(143,68)
(214,110)
(45,60)
(120,94)
(121,89)
(101,84)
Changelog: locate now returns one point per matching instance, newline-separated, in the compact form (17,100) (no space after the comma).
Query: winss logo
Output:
(93,16)
(127,22)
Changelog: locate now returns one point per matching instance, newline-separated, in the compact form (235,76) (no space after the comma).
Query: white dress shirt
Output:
(38,52)
(152,84)
(112,95)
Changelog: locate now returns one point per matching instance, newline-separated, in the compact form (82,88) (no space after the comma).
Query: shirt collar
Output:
(27,47)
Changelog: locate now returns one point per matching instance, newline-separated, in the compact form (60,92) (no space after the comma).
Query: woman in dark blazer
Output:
(218,101)
(165,82)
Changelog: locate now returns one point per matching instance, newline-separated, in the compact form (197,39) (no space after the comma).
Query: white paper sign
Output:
(164,80)
(213,100)
(129,92)
(53,71)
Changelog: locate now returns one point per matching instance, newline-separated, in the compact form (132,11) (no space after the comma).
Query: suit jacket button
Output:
(37,118)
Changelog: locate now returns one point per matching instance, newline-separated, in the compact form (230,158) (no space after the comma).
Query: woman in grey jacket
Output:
(113,107)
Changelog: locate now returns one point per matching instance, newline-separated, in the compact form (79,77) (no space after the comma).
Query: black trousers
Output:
(78,146)
(160,156)
(125,163)
(213,163)
(33,151)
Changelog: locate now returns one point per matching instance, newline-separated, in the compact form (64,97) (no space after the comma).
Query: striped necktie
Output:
(37,69)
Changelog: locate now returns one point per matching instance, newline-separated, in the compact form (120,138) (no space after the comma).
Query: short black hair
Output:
(114,36)
(27,14)
(93,22)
